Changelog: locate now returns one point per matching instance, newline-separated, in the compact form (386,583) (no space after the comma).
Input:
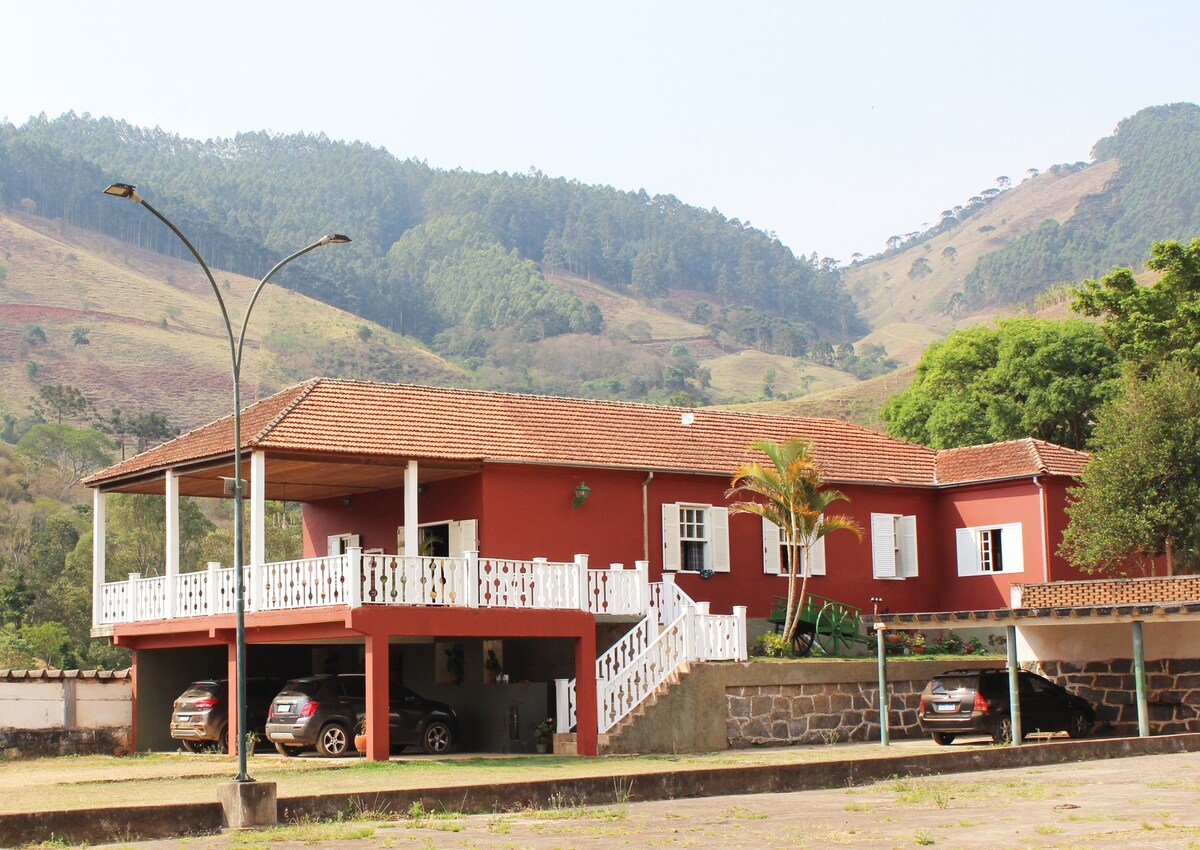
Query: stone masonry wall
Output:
(1125,591)
(1172,685)
(818,713)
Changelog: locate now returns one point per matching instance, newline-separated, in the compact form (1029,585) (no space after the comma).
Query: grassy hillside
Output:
(887,295)
(155,336)
(859,403)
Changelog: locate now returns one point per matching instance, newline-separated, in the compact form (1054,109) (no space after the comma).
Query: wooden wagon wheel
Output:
(802,638)
(832,626)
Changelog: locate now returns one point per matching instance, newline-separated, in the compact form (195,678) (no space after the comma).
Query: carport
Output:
(1132,652)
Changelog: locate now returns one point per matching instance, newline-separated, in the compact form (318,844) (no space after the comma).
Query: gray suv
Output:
(323,712)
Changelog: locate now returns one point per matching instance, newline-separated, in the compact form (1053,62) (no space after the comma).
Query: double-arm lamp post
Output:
(124,190)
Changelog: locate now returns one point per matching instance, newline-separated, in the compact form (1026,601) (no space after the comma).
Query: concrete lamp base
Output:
(248,805)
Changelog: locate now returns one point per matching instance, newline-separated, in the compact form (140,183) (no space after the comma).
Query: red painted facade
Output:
(525,511)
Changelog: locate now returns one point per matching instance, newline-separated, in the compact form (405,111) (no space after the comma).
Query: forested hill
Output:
(1155,195)
(433,250)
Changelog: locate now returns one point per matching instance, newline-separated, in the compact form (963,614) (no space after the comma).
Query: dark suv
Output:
(975,702)
(199,717)
(323,712)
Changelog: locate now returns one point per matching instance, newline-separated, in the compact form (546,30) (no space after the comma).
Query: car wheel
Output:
(437,738)
(943,739)
(191,746)
(1080,725)
(1002,730)
(333,741)
(285,750)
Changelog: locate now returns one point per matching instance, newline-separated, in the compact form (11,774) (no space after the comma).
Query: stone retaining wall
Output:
(818,713)
(1173,692)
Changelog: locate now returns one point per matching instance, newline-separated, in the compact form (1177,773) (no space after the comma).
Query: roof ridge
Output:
(621,403)
(308,387)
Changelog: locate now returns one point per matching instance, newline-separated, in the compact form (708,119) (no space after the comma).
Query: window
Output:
(695,537)
(775,553)
(443,539)
(339,544)
(995,549)
(893,546)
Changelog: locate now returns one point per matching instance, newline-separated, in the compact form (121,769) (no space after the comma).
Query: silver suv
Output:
(200,716)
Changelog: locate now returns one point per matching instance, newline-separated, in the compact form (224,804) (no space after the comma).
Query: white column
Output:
(353,560)
(214,596)
(581,575)
(472,578)
(258,508)
(171,488)
(98,550)
(258,530)
(741,652)
(411,530)
(643,571)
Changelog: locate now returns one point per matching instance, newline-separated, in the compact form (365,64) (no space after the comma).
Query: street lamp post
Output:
(124,190)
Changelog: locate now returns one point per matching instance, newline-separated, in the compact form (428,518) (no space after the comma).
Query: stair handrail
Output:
(671,650)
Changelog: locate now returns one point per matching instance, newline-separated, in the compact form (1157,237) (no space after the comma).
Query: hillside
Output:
(155,340)
(889,293)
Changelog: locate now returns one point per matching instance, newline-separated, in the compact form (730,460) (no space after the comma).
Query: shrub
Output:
(771,645)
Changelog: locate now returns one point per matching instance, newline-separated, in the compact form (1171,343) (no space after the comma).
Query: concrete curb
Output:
(104,825)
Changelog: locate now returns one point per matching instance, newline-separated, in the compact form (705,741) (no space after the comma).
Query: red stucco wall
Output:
(525,511)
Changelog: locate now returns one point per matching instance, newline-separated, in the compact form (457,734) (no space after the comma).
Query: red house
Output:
(550,528)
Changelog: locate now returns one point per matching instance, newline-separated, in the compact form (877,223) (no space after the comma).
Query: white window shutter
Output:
(883,545)
(670,534)
(400,540)
(772,563)
(461,537)
(720,539)
(817,553)
(1012,546)
(907,531)
(333,545)
(967,543)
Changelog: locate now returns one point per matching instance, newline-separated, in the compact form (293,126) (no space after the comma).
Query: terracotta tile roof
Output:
(334,417)
(1016,458)
(325,417)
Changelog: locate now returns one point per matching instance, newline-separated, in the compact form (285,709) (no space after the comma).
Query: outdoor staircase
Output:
(639,669)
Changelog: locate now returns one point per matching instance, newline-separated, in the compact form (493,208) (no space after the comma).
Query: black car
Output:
(966,702)
(322,712)
(199,717)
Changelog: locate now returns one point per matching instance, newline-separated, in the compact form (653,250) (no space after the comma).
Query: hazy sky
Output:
(835,124)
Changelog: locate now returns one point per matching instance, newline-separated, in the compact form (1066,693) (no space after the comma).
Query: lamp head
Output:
(123,190)
(335,239)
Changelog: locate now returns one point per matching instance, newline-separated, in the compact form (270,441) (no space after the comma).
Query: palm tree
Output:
(790,492)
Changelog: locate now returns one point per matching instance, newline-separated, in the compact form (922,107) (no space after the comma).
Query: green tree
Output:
(1140,495)
(1023,378)
(76,452)
(1147,325)
(136,531)
(56,402)
(789,492)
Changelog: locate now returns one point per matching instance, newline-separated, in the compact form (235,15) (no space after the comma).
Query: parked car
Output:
(199,717)
(966,702)
(322,712)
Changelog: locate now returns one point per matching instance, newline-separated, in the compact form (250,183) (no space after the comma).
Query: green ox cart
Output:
(833,627)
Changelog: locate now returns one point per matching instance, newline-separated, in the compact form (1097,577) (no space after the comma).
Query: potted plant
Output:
(360,734)
(916,644)
(491,667)
(543,734)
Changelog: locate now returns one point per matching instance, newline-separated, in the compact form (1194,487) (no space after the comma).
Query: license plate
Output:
(183,718)
(283,707)
(945,706)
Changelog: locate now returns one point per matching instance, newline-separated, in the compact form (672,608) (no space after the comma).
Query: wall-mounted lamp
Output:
(582,491)
(348,501)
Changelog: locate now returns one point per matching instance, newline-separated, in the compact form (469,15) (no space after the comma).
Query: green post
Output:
(881,648)
(1014,686)
(1139,680)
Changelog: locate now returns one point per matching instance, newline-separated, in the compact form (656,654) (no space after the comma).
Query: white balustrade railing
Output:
(192,598)
(668,598)
(631,685)
(619,591)
(305,583)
